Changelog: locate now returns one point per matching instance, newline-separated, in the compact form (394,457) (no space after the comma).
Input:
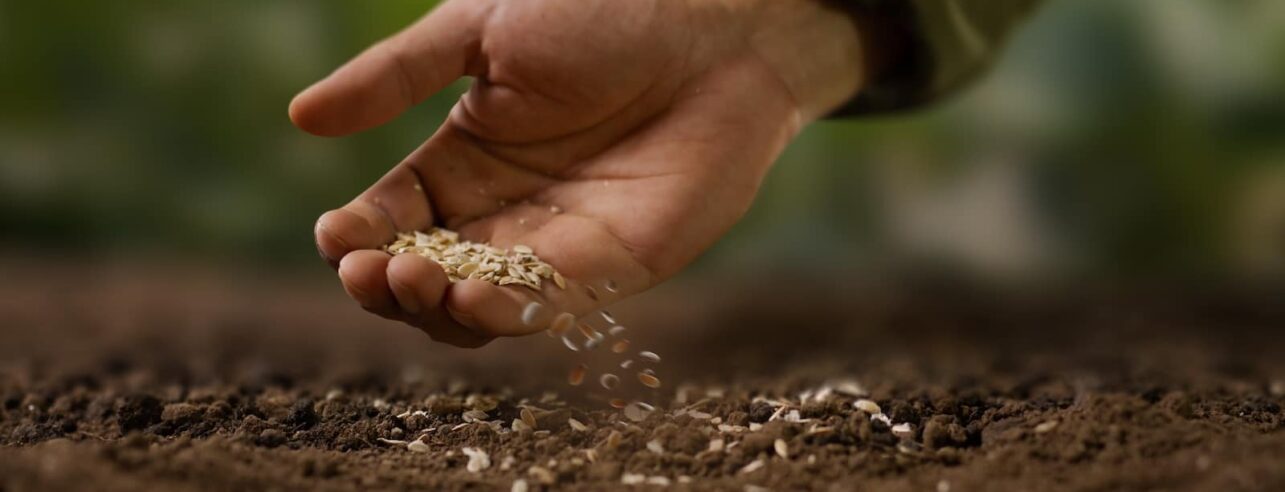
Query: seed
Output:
(588,331)
(617,403)
(478,460)
(527,417)
(520,485)
(648,380)
(589,290)
(577,374)
(1045,426)
(555,209)
(607,316)
(868,406)
(655,447)
(520,426)
(620,347)
(902,428)
(530,312)
(523,249)
(616,330)
(562,323)
(613,439)
(576,425)
(609,381)
(468,260)
(650,356)
(752,467)
(626,364)
(560,280)
(570,344)
(417,446)
(635,412)
(611,286)
(782,449)
(716,445)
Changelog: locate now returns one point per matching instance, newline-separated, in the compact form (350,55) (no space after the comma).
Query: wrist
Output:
(817,50)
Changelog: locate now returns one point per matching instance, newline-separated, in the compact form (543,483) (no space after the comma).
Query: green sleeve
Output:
(940,46)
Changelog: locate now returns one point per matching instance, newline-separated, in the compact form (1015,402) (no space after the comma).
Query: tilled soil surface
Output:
(180,379)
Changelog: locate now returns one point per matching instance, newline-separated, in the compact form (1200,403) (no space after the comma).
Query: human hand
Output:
(618,139)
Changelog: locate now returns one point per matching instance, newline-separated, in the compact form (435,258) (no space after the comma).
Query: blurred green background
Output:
(1114,138)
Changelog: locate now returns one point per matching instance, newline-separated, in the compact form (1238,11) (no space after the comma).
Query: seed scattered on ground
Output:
(902,429)
(716,445)
(648,380)
(520,485)
(542,475)
(753,466)
(636,411)
(530,312)
(868,406)
(576,425)
(633,479)
(649,356)
(527,417)
(520,426)
(609,381)
(417,446)
(478,460)
(655,447)
(474,416)
(577,374)
(469,260)
(782,449)
(1045,426)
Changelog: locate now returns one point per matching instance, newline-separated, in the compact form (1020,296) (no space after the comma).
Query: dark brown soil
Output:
(179,379)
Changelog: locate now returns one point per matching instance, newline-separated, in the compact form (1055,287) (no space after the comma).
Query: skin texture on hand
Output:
(618,139)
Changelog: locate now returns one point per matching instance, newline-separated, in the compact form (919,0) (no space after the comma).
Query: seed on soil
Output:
(561,323)
(633,479)
(474,416)
(655,447)
(478,460)
(868,406)
(527,417)
(649,356)
(782,449)
(576,425)
(469,260)
(577,374)
(620,347)
(519,426)
(530,312)
(520,485)
(902,429)
(1045,426)
(609,381)
(716,445)
(613,439)
(417,446)
(542,475)
(635,412)
(648,380)
(752,467)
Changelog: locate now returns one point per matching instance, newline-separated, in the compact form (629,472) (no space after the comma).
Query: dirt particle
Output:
(138,411)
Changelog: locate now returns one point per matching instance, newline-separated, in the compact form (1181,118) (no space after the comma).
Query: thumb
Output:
(395,74)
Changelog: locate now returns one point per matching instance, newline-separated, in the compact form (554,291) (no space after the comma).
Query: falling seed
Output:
(606,315)
(587,331)
(782,449)
(577,374)
(417,446)
(611,286)
(615,330)
(570,344)
(530,312)
(620,347)
(562,323)
(589,290)
(635,412)
(528,418)
(626,363)
(649,355)
(617,403)
(576,425)
(591,343)
(609,381)
(868,406)
(555,209)
(648,380)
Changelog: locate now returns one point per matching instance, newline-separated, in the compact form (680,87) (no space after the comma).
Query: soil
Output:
(178,378)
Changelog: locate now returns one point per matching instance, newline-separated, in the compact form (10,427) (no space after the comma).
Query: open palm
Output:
(617,139)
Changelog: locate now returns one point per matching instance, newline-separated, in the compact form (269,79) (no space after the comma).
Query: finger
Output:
(363,277)
(417,283)
(394,74)
(440,327)
(396,203)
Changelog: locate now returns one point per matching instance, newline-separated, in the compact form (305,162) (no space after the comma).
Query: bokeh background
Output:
(1115,139)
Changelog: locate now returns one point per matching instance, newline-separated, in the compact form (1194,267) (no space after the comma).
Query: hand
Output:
(618,139)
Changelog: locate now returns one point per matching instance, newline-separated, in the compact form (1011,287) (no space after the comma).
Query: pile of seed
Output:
(469,260)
